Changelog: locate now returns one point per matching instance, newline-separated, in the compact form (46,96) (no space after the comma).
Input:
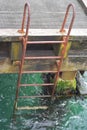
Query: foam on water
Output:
(63,114)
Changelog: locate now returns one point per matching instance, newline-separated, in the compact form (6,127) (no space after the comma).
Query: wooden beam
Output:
(76,60)
(13,35)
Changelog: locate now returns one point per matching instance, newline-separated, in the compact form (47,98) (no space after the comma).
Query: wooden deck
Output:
(44,14)
(45,23)
(76,59)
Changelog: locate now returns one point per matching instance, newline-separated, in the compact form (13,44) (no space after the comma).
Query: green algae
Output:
(65,85)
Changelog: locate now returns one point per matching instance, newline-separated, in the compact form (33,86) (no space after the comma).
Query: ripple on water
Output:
(64,114)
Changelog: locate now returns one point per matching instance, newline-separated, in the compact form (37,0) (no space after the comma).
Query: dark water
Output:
(63,114)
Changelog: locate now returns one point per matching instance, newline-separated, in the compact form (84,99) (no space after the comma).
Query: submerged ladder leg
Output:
(20,75)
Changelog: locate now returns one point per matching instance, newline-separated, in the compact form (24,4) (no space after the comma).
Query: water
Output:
(63,114)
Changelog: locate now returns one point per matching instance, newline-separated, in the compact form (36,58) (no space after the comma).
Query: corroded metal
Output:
(66,38)
(58,59)
(26,11)
(65,20)
(26,8)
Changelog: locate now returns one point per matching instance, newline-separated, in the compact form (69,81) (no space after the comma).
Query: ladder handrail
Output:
(26,8)
(65,18)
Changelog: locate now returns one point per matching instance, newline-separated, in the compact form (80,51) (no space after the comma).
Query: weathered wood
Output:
(10,35)
(76,59)
(16,51)
(44,14)
(68,75)
(68,65)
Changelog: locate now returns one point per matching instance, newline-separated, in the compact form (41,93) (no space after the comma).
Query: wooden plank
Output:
(44,14)
(76,60)
(16,51)
(13,35)
(41,32)
(70,64)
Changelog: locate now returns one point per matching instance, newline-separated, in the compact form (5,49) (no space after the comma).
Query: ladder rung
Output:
(45,84)
(45,42)
(42,58)
(44,71)
(31,108)
(38,96)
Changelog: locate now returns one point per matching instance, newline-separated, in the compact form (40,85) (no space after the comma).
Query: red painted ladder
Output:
(59,59)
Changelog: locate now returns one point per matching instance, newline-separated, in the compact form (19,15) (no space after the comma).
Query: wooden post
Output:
(16,50)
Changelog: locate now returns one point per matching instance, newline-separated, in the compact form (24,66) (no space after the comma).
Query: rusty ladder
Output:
(58,59)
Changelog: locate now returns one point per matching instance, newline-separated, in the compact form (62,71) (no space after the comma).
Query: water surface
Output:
(63,114)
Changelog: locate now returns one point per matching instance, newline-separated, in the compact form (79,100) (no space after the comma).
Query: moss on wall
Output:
(65,86)
(67,49)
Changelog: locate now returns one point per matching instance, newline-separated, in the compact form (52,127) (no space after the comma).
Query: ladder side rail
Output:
(59,63)
(65,19)
(20,68)
(66,38)
(24,40)
(19,74)
(26,11)
(22,60)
